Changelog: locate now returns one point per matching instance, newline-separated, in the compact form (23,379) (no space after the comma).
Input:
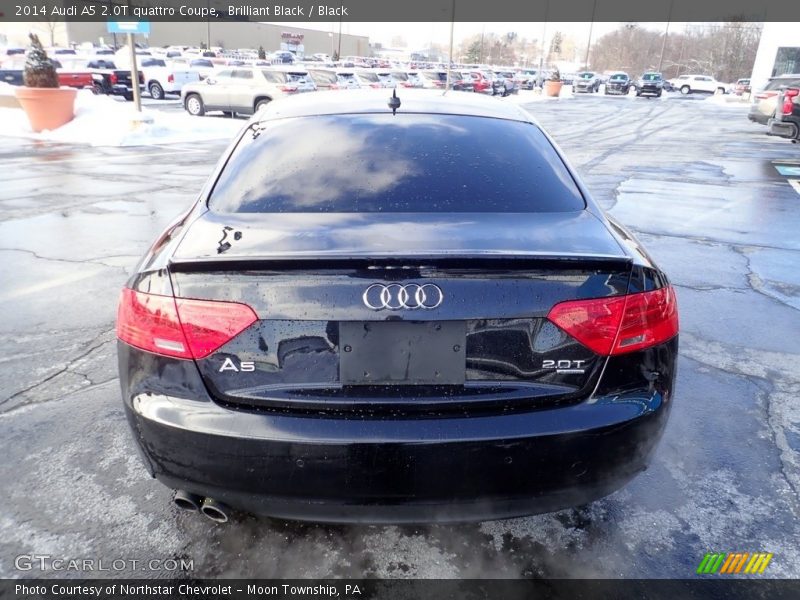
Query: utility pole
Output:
(540,74)
(450,55)
(589,45)
(666,34)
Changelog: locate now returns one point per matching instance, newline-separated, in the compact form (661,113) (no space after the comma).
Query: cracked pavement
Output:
(693,179)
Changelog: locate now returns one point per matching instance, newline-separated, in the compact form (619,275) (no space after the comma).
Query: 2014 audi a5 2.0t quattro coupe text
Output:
(391,313)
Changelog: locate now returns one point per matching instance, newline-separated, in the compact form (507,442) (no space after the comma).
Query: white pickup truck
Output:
(161,79)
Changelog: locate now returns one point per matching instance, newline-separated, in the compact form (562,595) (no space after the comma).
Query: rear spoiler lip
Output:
(299,261)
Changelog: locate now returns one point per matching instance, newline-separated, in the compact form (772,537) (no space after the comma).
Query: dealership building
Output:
(778,52)
(228,34)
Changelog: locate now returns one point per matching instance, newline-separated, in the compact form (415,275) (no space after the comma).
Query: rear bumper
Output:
(784,129)
(395,469)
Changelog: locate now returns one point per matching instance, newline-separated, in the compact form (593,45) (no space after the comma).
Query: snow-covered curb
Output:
(106,121)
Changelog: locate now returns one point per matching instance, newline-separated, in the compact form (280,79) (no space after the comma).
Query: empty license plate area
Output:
(402,353)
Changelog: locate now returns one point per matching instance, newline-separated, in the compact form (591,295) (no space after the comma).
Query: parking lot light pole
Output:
(137,93)
(589,45)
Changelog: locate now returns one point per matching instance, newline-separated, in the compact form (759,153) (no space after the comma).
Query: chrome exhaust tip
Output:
(186,500)
(216,511)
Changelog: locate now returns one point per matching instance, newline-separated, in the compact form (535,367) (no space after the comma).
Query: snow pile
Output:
(106,121)
(729,100)
(527,96)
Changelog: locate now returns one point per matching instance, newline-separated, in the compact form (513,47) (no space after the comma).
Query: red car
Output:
(481,83)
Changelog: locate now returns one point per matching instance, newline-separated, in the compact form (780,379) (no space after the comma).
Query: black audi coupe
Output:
(395,310)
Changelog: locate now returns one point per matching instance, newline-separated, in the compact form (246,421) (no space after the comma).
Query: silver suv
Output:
(244,89)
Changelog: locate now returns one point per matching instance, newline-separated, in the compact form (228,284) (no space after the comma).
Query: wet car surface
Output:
(715,213)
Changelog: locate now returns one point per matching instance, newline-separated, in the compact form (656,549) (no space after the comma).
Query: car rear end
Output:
(786,123)
(388,348)
(764,103)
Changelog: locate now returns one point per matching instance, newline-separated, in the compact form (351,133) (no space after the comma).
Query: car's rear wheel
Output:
(720,90)
(194,105)
(156,91)
(685,90)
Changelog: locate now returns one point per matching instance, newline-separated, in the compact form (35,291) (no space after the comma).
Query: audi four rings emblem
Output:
(394,296)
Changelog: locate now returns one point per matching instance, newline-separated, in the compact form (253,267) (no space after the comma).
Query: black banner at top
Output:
(402,10)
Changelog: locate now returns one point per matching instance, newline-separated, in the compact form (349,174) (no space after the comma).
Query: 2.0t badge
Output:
(396,296)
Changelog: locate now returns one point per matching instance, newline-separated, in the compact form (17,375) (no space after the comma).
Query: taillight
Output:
(788,95)
(288,88)
(765,95)
(113,78)
(620,324)
(179,327)
(170,78)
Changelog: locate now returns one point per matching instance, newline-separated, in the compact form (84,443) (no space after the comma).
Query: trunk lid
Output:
(336,333)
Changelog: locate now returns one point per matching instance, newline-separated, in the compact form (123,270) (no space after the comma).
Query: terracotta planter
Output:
(553,88)
(47,108)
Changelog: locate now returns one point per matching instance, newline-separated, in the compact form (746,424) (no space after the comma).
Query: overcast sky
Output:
(420,35)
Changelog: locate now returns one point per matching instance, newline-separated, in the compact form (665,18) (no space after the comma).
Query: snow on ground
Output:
(526,96)
(729,100)
(106,121)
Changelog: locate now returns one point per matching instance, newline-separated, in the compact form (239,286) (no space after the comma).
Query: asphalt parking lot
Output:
(696,180)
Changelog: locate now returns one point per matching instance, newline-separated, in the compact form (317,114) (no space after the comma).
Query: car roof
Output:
(377,101)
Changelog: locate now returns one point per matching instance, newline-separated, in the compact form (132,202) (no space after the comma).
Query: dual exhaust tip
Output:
(216,511)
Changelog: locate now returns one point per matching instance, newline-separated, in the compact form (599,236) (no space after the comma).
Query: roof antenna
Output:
(394,102)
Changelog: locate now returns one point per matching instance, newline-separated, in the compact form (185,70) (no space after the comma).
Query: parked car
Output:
(243,90)
(334,79)
(764,103)
(161,79)
(650,84)
(386,78)
(786,123)
(284,57)
(741,87)
(203,66)
(568,78)
(505,83)
(368,78)
(527,78)
(403,79)
(361,327)
(481,82)
(107,78)
(72,75)
(618,83)
(586,82)
(689,84)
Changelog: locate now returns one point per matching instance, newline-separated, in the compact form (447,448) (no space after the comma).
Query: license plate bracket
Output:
(402,352)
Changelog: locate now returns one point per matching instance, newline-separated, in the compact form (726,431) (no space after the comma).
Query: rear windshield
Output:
(776,84)
(403,163)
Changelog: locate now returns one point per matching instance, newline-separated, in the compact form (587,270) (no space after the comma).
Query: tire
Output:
(156,91)
(97,89)
(721,91)
(658,95)
(262,103)
(129,96)
(638,94)
(194,105)
(686,90)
